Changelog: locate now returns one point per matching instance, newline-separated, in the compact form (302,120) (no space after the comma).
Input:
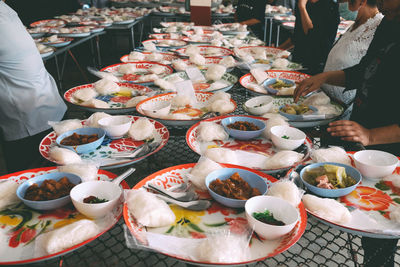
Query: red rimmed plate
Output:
(278,74)
(160,36)
(289,24)
(251,153)
(115,101)
(272,52)
(374,199)
(216,217)
(48,23)
(141,65)
(167,43)
(166,57)
(18,248)
(177,24)
(202,98)
(219,51)
(103,154)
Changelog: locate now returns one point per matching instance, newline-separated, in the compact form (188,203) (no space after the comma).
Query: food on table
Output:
(49,190)
(148,209)
(267,217)
(243,126)
(106,87)
(217,85)
(257,88)
(65,125)
(215,72)
(179,65)
(219,96)
(86,171)
(157,69)
(228,62)
(286,190)
(273,120)
(331,154)
(259,74)
(165,85)
(140,78)
(142,129)
(280,63)
(285,137)
(327,208)
(95,103)
(187,111)
(279,84)
(200,171)
(67,236)
(8,194)
(93,120)
(283,159)
(181,100)
(317,99)
(131,103)
(234,187)
(329,177)
(64,156)
(94,200)
(51,39)
(79,139)
(85,94)
(136,56)
(192,50)
(197,59)
(296,109)
(149,46)
(222,155)
(210,131)
(127,68)
(222,106)
(43,48)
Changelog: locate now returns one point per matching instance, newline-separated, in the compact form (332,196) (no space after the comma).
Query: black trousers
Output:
(379,252)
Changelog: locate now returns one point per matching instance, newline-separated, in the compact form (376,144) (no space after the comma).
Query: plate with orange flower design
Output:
(249,153)
(103,155)
(116,102)
(195,224)
(21,225)
(370,205)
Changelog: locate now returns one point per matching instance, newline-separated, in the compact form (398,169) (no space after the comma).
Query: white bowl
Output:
(101,189)
(295,136)
(157,110)
(281,210)
(115,126)
(253,104)
(375,164)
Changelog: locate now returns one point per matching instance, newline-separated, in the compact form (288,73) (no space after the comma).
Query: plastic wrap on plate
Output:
(64,156)
(286,190)
(93,120)
(210,131)
(8,194)
(327,208)
(86,171)
(142,129)
(61,127)
(283,159)
(332,154)
(198,174)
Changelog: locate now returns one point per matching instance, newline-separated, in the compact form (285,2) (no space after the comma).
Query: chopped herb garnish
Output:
(285,137)
(267,217)
(94,200)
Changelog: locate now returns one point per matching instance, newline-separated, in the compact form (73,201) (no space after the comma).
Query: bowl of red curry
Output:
(82,140)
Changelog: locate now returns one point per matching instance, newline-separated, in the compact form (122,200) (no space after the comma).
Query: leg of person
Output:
(24,153)
(379,252)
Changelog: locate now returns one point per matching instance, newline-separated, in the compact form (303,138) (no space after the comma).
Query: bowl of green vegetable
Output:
(330,179)
(271,217)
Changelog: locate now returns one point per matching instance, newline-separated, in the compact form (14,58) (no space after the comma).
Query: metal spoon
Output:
(181,196)
(197,205)
(123,176)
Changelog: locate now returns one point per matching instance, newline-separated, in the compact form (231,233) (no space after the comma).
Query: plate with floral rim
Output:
(252,152)
(204,51)
(194,224)
(103,154)
(21,224)
(166,57)
(115,101)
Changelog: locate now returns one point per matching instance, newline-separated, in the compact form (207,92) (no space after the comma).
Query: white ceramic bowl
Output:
(281,210)
(375,164)
(157,110)
(101,189)
(294,137)
(115,126)
(259,105)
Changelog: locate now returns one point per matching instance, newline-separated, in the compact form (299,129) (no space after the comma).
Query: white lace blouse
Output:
(347,52)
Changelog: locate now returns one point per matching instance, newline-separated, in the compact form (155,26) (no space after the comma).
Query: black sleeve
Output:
(259,10)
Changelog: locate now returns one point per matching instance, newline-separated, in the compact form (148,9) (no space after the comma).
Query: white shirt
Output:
(29,96)
(347,52)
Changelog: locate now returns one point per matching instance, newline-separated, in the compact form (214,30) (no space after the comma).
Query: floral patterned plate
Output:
(48,23)
(103,154)
(20,225)
(142,66)
(195,113)
(253,152)
(115,101)
(166,59)
(373,202)
(217,51)
(194,224)
(166,43)
(209,61)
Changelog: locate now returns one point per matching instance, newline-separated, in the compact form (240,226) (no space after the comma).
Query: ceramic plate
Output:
(251,153)
(373,201)
(115,101)
(143,66)
(160,36)
(163,43)
(103,154)
(21,225)
(46,54)
(48,23)
(79,33)
(202,98)
(60,42)
(175,24)
(166,57)
(209,61)
(217,217)
(219,51)
(289,24)
(124,21)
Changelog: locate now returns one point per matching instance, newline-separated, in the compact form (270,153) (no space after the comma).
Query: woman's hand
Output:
(350,131)
(309,85)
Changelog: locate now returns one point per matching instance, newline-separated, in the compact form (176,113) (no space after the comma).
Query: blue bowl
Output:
(293,117)
(243,135)
(253,179)
(47,204)
(269,82)
(86,148)
(323,192)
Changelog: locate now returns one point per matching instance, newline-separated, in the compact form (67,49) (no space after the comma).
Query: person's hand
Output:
(350,131)
(309,85)
(302,3)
